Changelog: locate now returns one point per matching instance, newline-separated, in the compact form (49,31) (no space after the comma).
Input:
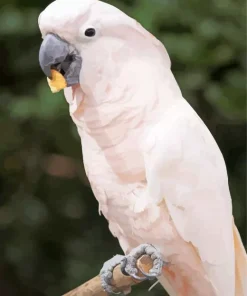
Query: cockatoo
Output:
(154,167)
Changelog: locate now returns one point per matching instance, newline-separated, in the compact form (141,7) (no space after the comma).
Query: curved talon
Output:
(155,271)
(149,275)
(111,292)
(137,277)
(132,273)
(117,293)
(129,263)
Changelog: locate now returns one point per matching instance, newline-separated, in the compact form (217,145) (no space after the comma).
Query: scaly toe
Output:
(128,267)
(106,274)
(129,263)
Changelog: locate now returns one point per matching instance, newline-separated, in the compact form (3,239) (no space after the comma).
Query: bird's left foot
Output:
(129,263)
(129,266)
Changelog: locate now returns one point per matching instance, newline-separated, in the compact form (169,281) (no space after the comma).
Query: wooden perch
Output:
(120,281)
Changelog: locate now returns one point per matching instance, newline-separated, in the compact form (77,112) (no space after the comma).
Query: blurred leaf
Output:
(44,106)
(14,20)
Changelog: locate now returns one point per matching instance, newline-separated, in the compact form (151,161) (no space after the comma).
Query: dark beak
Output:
(58,54)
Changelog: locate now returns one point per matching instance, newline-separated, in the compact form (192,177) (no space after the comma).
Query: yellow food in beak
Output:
(57,81)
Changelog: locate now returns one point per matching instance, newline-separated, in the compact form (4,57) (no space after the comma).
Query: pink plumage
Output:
(154,167)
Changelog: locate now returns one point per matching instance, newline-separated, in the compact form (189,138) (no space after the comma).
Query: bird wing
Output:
(185,167)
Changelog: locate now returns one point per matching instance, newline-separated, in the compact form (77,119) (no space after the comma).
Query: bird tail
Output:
(240,265)
(240,269)
(167,286)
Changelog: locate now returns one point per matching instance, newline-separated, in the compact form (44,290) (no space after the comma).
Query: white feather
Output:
(186,165)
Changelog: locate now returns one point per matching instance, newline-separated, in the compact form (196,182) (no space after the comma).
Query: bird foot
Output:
(106,274)
(129,267)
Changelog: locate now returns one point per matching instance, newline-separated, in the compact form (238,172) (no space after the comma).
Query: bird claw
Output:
(129,263)
(106,274)
(129,267)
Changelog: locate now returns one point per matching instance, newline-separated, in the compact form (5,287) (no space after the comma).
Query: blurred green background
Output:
(51,236)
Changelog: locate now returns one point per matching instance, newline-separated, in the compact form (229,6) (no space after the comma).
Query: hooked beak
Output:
(57,54)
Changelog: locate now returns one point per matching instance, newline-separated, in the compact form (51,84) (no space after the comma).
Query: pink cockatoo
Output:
(154,167)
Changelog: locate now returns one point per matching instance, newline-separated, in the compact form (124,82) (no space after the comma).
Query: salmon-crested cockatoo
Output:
(154,167)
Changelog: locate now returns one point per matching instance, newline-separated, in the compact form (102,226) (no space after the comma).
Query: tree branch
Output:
(120,281)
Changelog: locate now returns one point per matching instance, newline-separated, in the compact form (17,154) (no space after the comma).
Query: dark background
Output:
(51,236)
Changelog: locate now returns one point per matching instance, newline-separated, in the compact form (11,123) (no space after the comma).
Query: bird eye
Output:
(90,32)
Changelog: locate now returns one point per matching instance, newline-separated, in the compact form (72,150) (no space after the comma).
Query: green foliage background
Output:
(51,236)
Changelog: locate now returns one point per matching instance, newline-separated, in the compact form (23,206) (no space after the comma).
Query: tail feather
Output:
(240,265)
(240,270)
(165,283)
